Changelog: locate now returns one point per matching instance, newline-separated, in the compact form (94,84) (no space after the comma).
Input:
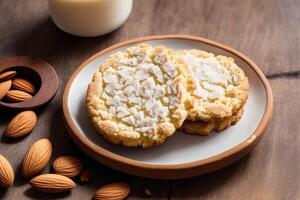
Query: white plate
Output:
(181,152)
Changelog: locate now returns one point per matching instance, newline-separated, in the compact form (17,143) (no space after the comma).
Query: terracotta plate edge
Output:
(229,156)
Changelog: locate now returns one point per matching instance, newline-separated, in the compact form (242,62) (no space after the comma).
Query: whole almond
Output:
(23,85)
(4,88)
(52,183)
(17,96)
(68,166)
(85,175)
(37,157)
(6,173)
(113,191)
(7,75)
(21,124)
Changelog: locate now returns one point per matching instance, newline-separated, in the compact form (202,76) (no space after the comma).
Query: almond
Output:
(52,183)
(113,191)
(148,192)
(68,166)
(85,175)
(4,88)
(23,85)
(21,124)
(17,96)
(37,157)
(6,173)
(7,75)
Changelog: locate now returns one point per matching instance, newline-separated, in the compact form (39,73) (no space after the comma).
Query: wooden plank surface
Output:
(267,31)
(271,171)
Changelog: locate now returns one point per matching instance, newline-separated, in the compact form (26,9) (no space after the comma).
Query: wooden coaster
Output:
(40,73)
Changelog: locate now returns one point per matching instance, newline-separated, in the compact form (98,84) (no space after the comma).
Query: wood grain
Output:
(267,31)
(271,171)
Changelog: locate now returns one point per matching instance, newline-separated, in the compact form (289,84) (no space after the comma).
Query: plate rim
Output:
(172,171)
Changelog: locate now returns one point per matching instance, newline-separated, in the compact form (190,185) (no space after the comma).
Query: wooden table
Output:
(267,31)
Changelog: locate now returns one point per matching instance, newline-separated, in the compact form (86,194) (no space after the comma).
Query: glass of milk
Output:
(89,18)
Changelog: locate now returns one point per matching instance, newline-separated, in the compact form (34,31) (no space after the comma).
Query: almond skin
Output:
(21,124)
(17,96)
(85,175)
(67,166)
(23,85)
(6,173)
(52,183)
(37,157)
(4,88)
(7,75)
(113,191)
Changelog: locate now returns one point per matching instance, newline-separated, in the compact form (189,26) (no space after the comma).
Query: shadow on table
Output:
(43,39)
(7,140)
(35,194)
(3,193)
(204,185)
(60,140)
(19,179)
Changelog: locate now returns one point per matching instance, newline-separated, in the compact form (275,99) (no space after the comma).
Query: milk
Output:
(89,17)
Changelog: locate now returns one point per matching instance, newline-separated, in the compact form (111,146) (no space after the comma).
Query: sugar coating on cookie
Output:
(137,97)
(217,87)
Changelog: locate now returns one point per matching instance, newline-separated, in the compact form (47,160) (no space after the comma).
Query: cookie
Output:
(205,128)
(217,87)
(138,96)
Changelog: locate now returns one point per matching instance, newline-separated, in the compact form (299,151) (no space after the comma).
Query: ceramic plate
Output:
(181,155)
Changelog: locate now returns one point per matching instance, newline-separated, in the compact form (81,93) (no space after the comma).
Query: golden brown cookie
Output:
(205,128)
(138,96)
(217,87)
